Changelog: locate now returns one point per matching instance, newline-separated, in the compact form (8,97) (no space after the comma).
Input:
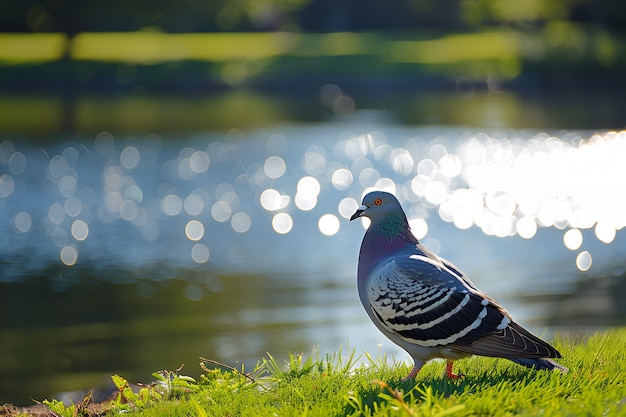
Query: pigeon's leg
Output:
(414,372)
(449,372)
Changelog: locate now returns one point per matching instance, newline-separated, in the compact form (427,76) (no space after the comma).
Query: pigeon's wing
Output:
(426,303)
(441,263)
(513,342)
(459,273)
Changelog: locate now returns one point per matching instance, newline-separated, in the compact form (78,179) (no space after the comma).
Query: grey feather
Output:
(541,364)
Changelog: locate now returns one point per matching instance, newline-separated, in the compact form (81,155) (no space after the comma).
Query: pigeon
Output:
(426,305)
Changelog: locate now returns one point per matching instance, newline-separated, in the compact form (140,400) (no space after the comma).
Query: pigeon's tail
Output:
(541,364)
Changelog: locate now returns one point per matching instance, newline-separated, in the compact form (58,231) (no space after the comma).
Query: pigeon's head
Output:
(378,205)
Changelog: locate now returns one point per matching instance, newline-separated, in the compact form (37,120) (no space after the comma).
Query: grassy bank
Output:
(341,384)
(149,81)
(558,54)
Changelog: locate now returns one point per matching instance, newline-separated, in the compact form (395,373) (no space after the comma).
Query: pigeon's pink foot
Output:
(449,372)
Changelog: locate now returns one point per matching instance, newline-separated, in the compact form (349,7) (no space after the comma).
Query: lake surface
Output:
(129,254)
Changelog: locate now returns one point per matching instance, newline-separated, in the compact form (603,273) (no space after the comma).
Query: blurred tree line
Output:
(74,16)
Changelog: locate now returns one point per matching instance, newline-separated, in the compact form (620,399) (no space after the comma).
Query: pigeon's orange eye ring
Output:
(378,201)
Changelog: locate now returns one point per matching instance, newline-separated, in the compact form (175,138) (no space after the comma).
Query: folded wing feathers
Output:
(423,306)
(511,342)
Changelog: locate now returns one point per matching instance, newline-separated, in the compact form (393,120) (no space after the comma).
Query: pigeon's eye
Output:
(378,201)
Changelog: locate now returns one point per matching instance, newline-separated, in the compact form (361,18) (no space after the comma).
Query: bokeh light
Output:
(342,179)
(56,213)
(130,157)
(526,227)
(241,222)
(386,184)
(193,204)
(80,230)
(128,210)
(69,255)
(200,253)
(171,205)
(104,143)
(502,183)
(282,223)
(194,230)
(274,167)
(17,163)
(419,227)
(6,185)
(314,163)
(328,224)
(402,161)
(22,222)
(583,261)
(199,162)
(56,167)
(365,222)
(347,207)
(221,211)
(356,148)
(368,177)
(604,232)
(435,192)
(573,239)
(72,206)
(308,189)
(272,200)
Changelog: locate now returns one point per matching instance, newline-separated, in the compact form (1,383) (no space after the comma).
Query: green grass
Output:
(341,384)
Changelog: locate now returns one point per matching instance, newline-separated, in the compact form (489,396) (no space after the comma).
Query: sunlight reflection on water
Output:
(505,184)
(239,243)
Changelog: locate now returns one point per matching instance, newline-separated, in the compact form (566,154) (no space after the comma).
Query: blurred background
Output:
(176,178)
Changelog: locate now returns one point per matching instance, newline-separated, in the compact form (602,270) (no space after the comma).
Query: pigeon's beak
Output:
(358,212)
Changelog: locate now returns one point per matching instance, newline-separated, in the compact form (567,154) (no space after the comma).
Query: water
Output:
(128,254)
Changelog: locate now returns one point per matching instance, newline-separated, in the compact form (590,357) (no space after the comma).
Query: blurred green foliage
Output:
(199,48)
(74,16)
